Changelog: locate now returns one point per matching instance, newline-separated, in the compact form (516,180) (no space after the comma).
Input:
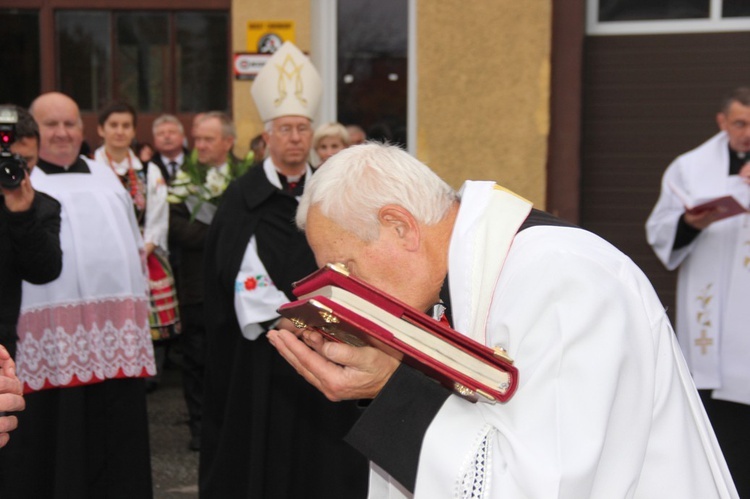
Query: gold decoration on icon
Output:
(328,317)
(298,323)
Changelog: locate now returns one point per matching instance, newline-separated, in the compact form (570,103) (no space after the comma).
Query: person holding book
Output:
(711,253)
(266,432)
(604,406)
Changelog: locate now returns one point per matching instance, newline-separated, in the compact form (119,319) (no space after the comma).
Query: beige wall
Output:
(483,91)
(482,86)
(244,112)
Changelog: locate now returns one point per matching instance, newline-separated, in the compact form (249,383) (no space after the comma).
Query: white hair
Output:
(358,181)
(167,118)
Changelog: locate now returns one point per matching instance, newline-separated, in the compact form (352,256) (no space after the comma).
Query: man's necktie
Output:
(172,169)
(294,188)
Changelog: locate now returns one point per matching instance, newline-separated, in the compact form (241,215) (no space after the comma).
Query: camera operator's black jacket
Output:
(30,251)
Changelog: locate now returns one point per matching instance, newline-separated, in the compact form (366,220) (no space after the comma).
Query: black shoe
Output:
(195,443)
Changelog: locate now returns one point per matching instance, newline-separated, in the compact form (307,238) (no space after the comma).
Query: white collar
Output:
(273,172)
(177,159)
(121,167)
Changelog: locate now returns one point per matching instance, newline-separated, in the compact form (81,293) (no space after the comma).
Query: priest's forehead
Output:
(328,240)
(55,109)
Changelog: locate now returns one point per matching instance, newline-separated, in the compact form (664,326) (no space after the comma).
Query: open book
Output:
(345,309)
(727,206)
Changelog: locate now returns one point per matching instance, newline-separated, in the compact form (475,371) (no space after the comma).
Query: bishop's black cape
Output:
(266,432)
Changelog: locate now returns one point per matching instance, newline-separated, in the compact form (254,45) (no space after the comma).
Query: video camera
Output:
(12,167)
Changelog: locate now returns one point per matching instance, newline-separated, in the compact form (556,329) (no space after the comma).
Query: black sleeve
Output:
(685,235)
(183,232)
(392,427)
(35,237)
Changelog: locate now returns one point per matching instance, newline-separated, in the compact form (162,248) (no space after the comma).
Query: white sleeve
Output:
(661,226)
(256,298)
(157,209)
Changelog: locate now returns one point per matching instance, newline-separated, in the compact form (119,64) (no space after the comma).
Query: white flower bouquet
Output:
(196,184)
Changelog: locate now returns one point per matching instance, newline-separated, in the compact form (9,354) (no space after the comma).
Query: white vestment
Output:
(91,323)
(605,406)
(713,281)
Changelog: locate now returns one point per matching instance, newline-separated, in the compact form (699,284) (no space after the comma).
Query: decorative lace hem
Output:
(84,343)
(474,482)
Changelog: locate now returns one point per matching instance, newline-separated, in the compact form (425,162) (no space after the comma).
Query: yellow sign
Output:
(265,37)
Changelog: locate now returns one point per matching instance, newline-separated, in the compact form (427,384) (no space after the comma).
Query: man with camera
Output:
(29,245)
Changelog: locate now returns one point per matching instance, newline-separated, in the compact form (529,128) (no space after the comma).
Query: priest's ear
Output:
(396,222)
(722,120)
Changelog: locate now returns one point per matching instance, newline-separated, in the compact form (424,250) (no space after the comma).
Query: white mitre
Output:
(288,85)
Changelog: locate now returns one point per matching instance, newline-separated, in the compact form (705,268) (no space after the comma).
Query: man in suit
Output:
(214,137)
(169,140)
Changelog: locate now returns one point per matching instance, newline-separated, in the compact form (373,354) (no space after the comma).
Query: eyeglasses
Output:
(287,130)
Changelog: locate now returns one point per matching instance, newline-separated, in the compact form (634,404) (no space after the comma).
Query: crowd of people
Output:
(110,260)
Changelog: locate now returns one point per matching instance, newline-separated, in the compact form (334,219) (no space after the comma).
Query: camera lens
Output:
(12,170)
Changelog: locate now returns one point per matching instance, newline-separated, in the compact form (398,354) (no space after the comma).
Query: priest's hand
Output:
(11,395)
(338,370)
(702,219)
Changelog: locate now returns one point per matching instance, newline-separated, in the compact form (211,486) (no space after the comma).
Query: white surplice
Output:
(91,323)
(605,407)
(713,281)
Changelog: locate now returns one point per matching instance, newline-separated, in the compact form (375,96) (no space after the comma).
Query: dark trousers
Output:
(87,441)
(193,342)
(731,423)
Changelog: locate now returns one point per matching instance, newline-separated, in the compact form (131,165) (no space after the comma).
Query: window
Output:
(666,16)
(143,60)
(84,57)
(372,67)
(735,8)
(19,59)
(630,10)
(158,61)
(203,67)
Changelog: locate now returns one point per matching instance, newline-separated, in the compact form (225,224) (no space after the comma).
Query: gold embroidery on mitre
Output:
(287,74)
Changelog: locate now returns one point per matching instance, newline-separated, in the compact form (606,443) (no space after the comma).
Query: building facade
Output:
(578,105)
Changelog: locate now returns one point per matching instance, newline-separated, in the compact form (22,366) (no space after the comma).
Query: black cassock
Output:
(266,432)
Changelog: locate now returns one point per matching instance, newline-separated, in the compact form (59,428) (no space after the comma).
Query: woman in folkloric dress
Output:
(149,193)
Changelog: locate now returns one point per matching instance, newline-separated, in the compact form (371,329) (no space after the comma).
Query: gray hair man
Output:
(605,405)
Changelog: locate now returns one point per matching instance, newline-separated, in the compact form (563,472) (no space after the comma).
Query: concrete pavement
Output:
(174,467)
